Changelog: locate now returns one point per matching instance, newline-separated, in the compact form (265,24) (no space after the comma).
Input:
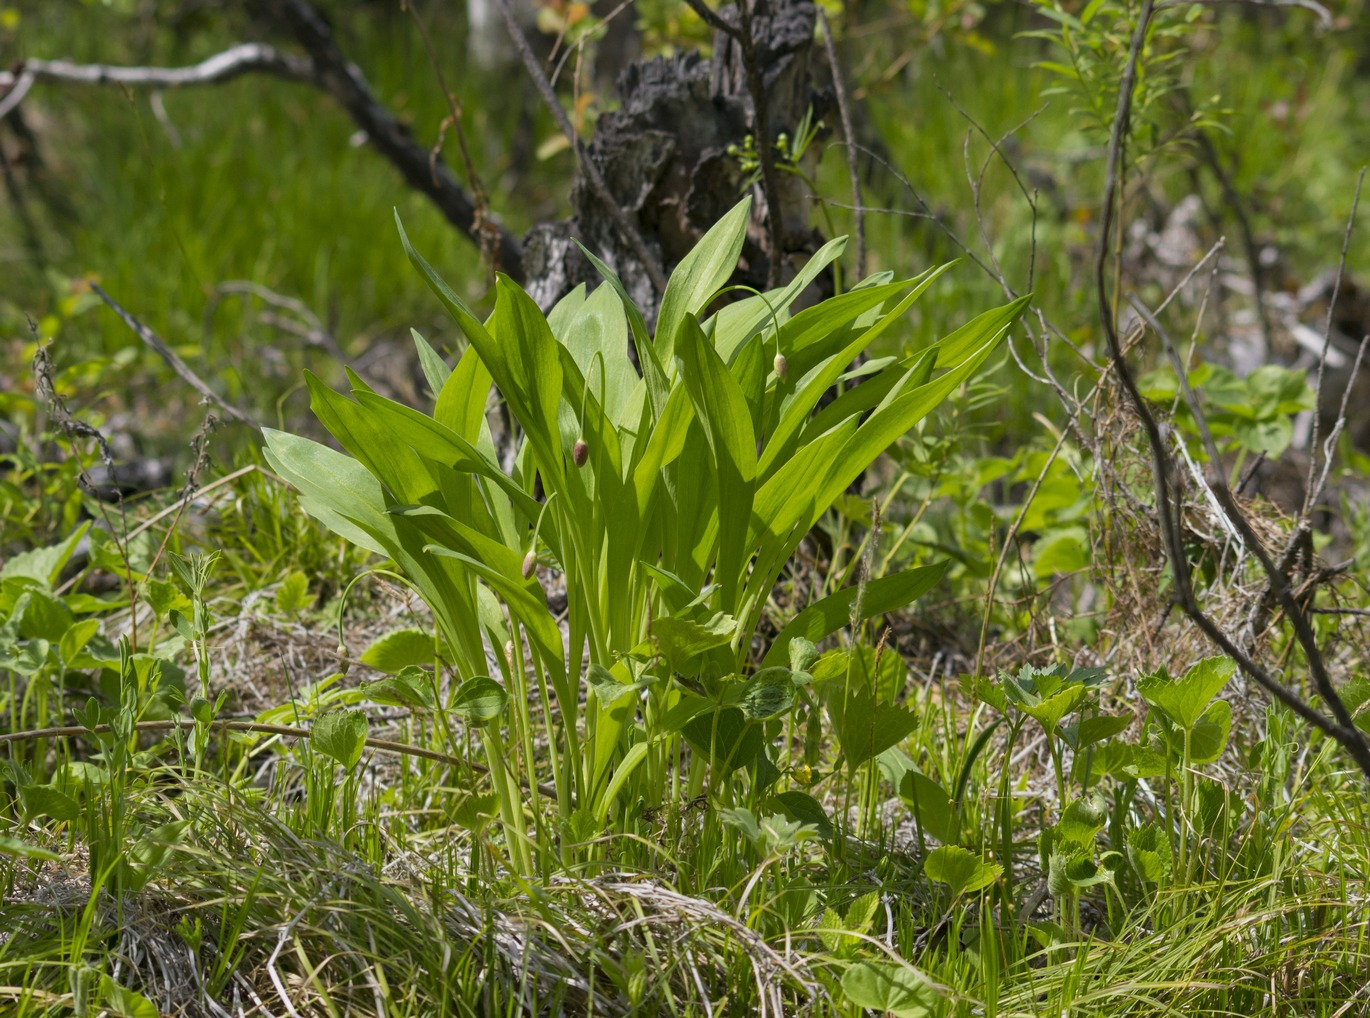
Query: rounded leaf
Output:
(479,700)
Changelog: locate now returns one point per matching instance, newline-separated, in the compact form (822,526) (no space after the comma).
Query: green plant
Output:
(671,502)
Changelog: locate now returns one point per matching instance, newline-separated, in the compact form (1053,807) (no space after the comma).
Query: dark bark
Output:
(664,155)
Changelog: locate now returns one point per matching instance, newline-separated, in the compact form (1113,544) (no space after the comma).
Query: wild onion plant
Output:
(671,498)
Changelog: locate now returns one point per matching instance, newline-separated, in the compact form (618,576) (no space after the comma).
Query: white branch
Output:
(245,58)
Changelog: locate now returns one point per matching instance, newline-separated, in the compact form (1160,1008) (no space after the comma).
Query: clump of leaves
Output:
(670,498)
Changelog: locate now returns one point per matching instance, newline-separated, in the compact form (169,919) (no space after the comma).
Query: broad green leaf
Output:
(44,800)
(630,763)
(340,734)
(608,688)
(736,323)
(435,369)
(45,617)
(726,737)
(722,410)
(961,870)
(479,700)
(1082,820)
(1208,737)
(1096,729)
(458,308)
(398,650)
(1148,849)
(823,618)
(682,639)
(15,848)
(653,374)
(805,809)
(461,402)
(889,988)
(929,803)
(410,687)
(1068,872)
(123,1002)
(76,637)
(866,728)
(1049,712)
(1184,700)
(44,564)
(476,811)
(767,694)
(700,275)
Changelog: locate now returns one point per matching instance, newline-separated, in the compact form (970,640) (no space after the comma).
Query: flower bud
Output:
(782,367)
(580,452)
(529,561)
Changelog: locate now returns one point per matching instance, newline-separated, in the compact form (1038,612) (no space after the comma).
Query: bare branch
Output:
(1349,736)
(346,83)
(1323,14)
(177,365)
(245,58)
(591,168)
(1167,510)
(1309,495)
(325,68)
(853,171)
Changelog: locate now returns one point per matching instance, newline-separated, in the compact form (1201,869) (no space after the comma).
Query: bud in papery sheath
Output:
(509,654)
(782,366)
(580,452)
(529,561)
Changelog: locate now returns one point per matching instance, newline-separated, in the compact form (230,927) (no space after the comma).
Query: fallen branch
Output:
(324,67)
(174,362)
(245,58)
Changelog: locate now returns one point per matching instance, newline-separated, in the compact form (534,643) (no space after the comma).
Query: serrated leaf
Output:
(1148,849)
(1208,738)
(866,728)
(861,912)
(293,593)
(1051,710)
(1184,700)
(412,687)
(683,638)
(1082,820)
(961,870)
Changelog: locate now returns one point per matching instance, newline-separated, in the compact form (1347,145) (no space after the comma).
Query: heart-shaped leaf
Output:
(1208,738)
(396,651)
(479,700)
(884,987)
(805,809)
(961,870)
(341,735)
